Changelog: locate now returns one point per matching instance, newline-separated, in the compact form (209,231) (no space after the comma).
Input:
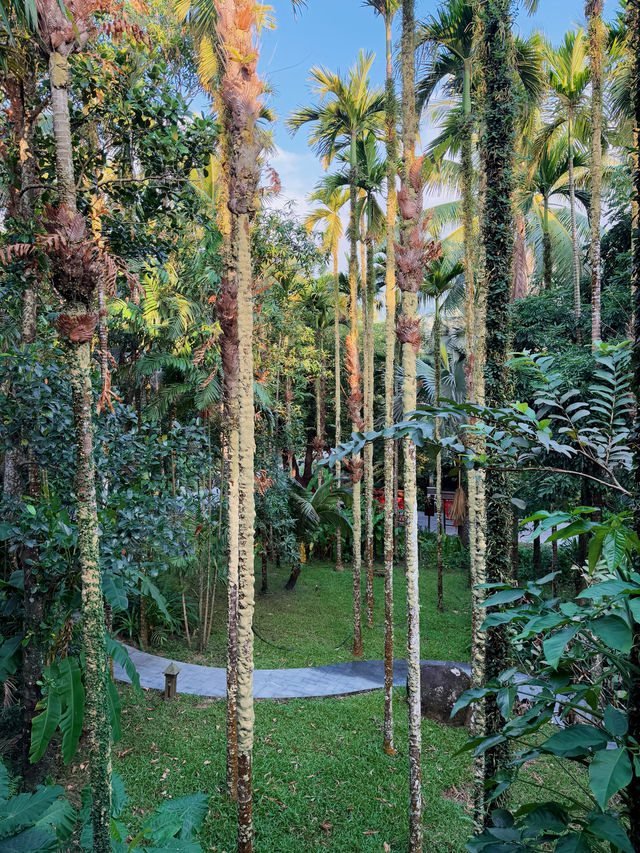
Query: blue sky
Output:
(330,33)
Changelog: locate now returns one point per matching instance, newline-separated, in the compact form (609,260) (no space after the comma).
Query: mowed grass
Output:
(321,778)
(312,625)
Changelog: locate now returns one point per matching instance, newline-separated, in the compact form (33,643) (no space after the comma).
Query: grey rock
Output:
(442,683)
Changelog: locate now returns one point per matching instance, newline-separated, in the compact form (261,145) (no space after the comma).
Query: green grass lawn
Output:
(321,778)
(314,621)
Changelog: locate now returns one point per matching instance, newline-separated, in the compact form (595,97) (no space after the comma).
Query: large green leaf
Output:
(505,596)
(575,843)
(605,827)
(575,741)
(609,772)
(149,588)
(9,656)
(120,655)
(33,840)
(59,818)
(25,809)
(115,706)
(191,810)
(555,645)
(114,593)
(613,631)
(71,692)
(4,782)
(44,725)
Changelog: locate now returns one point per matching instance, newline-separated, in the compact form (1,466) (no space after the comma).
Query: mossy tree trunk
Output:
(246,519)
(437,370)
(547,256)
(368,295)
(496,55)
(79,306)
(389,374)
(577,301)
(597,42)
(410,323)
(355,404)
(337,389)
(240,92)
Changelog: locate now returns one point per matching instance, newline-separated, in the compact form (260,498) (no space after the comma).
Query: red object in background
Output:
(447,508)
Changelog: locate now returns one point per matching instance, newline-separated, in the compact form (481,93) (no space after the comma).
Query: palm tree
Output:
(75,273)
(568,79)
(498,119)
(387,10)
(240,94)
(332,202)
(313,506)
(370,176)
(449,38)
(597,46)
(345,111)
(439,285)
(546,180)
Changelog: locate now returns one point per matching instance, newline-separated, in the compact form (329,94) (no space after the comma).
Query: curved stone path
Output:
(335,679)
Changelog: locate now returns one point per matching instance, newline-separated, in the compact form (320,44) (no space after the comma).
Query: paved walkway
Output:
(332,680)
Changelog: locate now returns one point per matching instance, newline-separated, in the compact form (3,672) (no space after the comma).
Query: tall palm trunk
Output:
(368,294)
(240,93)
(437,334)
(337,392)
(597,40)
(410,344)
(633,30)
(389,372)
(547,257)
(78,306)
(577,303)
(246,518)
(354,405)
(496,51)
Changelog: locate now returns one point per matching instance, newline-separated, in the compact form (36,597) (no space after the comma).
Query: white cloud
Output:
(298,175)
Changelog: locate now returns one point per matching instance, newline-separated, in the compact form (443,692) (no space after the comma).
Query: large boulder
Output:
(442,683)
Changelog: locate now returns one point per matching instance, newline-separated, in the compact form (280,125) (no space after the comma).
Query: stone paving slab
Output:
(307,682)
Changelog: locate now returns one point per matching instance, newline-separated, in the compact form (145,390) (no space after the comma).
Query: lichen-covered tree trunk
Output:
(389,373)
(337,391)
(439,519)
(547,256)
(577,301)
(411,325)
(246,518)
(368,295)
(633,29)
(354,405)
(93,618)
(496,55)
(597,42)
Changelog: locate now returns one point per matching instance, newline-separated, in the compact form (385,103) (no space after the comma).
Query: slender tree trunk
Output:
(496,53)
(93,621)
(337,393)
(577,302)
(368,294)
(437,379)
(355,413)
(597,42)
(633,32)
(389,372)
(246,518)
(537,557)
(547,257)
(411,323)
